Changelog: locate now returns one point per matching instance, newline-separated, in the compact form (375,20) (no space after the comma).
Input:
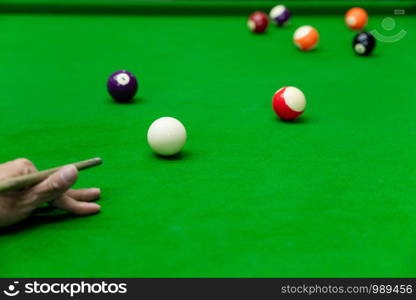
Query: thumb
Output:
(55,185)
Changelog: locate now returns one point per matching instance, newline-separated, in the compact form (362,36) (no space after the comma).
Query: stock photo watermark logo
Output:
(67,288)
(389,24)
(12,290)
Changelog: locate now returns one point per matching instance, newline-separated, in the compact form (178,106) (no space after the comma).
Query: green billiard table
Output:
(332,194)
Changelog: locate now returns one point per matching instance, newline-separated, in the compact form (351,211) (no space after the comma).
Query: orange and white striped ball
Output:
(306,38)
(356,18)
(289,103)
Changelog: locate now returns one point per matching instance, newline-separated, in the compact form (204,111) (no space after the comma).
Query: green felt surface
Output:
(332,194)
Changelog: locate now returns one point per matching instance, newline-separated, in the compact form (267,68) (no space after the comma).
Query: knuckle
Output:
(53,186)
(24,166)
(23,161)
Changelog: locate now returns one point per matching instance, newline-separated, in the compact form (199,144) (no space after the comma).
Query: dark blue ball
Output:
(122,86)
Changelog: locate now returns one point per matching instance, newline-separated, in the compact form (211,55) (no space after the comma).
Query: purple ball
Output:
(122,86)
(280,15)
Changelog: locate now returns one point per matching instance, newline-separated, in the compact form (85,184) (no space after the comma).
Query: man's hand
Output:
(18,205)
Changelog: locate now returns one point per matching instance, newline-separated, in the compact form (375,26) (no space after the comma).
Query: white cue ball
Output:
(166,136)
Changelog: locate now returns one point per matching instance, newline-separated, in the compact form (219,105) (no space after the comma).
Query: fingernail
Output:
(69,174)
(96,190)
(96,205)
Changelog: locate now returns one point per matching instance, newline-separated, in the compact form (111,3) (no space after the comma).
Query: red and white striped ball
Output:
(306,38)
(258,22)
(289,103)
